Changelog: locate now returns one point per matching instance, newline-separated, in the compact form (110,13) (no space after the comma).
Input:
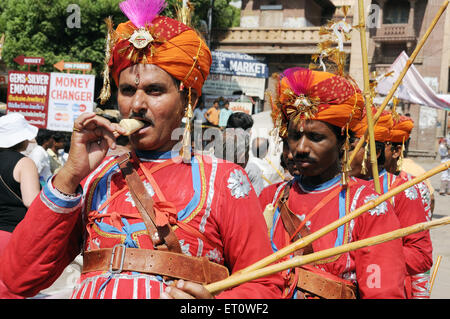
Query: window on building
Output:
(390,51)
(396,11)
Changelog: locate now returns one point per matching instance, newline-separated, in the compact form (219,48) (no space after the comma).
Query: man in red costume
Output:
(395,164)
(410,206)
(156,223)
(315,109)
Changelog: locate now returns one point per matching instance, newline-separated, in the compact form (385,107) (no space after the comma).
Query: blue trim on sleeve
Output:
(60,199)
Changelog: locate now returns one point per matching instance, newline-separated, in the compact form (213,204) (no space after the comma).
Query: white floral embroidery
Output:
(149,189)
(238,184)
(426,198)
(378,210)
(185,248)
(214,255)
(302,218)
(411,193)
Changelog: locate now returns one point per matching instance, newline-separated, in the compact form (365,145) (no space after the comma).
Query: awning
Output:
(413,87)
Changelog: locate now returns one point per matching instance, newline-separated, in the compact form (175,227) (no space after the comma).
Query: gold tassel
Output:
(363,164)
(184,14)
(346,166)
(105,92)
(186,150)
(400,159)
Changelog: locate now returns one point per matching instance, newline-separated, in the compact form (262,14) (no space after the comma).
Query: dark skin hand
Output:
(186,290)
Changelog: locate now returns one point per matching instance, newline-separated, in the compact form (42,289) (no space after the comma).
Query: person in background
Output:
(260,169)
(199,114)
(235,149)
(40,156)
(212,114)
(411,206)
(63,153)
(445,175)
(19,178)
(224,115)
(397,160)
(240,119)
(53,151)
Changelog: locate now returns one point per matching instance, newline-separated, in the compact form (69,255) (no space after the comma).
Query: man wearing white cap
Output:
(19,178)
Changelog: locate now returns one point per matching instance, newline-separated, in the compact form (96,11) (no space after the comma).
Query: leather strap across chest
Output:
(291,222)
(162,237)
(311,284)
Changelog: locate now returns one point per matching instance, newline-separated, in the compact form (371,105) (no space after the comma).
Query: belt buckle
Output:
(113,253)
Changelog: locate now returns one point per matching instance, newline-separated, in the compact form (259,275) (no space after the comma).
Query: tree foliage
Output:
(43,28)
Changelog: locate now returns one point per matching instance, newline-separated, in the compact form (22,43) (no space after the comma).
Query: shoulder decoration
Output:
(238,184)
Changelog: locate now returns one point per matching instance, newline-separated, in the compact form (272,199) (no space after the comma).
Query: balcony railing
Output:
(307,35)
(395,32)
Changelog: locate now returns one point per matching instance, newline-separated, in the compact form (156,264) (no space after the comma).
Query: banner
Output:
(222,84)
(413,87)
(28,95)
(240,64)
(69,96)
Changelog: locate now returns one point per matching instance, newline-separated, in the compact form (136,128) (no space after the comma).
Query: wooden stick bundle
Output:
(400,78)
(434,273)
(305,241)
(311,258)
(367,97)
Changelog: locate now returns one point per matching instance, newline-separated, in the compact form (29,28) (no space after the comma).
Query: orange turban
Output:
(316,95)
(382,130)
(401,130)
(152,39)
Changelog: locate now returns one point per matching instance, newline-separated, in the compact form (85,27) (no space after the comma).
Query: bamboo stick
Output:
(433,275)
(305,241)
(311,258)
(367,97)
(400,78)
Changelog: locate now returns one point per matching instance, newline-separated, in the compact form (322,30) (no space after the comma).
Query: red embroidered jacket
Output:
(213,196)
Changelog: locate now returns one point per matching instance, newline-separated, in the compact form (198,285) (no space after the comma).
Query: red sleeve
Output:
(267,194)
(416,247)
(41,246)
(380,269)
(244,236)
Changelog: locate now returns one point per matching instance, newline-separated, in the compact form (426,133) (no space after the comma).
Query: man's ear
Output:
(397,151)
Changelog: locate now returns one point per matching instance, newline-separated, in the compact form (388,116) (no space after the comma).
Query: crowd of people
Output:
(154,222)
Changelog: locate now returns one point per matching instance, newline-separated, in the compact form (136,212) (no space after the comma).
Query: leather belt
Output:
(316,285)
(165,263)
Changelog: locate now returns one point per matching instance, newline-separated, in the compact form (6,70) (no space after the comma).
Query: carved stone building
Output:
(286,34)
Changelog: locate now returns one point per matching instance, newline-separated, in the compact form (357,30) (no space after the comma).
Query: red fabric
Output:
(379,270)
(46,241)
(4,239)
(410,208)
